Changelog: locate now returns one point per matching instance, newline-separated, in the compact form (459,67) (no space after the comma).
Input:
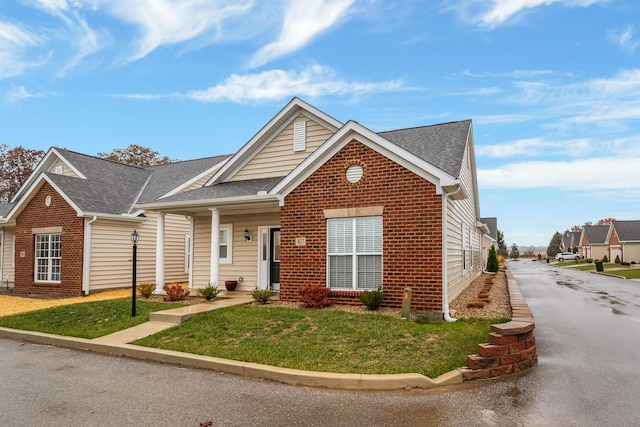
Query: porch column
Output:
(160,254)
(215,247)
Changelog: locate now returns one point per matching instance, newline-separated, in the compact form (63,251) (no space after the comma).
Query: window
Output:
(48,257)
(354,250)
(226,243)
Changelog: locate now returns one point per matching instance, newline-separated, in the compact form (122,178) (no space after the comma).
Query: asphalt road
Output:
(587,338)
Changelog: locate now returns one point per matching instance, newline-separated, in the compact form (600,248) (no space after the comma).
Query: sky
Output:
(552,86)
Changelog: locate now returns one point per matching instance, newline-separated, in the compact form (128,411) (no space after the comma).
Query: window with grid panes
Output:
(48,254)
(354,250)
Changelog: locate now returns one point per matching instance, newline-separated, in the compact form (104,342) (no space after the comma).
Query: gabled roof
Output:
(596,234)
(104,187)
(442,145)
(628,231)
(492,225)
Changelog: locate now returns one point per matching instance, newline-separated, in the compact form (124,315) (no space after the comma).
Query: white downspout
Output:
(445,285)
(86,258)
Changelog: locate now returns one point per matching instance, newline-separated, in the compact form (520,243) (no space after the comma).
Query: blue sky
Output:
(552,86)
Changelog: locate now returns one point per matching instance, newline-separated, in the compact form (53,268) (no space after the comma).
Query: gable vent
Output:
(354,173)
(299,136)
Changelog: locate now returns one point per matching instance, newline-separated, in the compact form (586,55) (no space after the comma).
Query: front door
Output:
(274,256)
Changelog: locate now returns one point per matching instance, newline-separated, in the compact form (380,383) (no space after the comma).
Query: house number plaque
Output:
(301,241)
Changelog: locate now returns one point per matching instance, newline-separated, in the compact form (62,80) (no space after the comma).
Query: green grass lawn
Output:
(629,274)
(86,320)
(326,340)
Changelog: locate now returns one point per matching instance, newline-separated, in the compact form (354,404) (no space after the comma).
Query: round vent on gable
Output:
(47,201)
(354,173)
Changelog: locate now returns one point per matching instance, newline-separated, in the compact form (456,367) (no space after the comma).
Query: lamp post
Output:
(134,240)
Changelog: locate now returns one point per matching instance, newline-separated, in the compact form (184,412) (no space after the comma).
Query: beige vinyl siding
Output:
(461,224)
(66,170)
(277,158)
(197,184)
(7,256)
(112,252)
(244,256)
(599,251)
(631,252)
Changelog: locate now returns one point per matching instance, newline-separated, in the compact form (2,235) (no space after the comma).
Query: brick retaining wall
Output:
(512,345)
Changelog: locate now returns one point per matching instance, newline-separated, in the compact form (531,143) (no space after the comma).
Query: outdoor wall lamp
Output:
(247,235)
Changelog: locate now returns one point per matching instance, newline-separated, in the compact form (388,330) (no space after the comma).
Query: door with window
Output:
(274,259)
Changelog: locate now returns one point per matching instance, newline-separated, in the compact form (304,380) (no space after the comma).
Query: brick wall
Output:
(412,227)
(37,215)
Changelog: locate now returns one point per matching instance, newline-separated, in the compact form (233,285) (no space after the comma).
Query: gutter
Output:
(86,258)
(445,279)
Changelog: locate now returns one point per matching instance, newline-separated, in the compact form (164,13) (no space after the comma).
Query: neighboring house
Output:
(594,241)
(570,240)
(313,201)
(624,241)
(490,238)
(67,230)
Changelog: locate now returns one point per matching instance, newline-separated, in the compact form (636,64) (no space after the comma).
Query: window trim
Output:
(354,254)
(49,258)
(229,230)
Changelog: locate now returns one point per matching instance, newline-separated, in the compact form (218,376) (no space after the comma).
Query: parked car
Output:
(566,256)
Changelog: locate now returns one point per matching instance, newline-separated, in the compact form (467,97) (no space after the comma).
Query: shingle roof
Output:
(223,190)
(596,234)
(492,224)
(628,231)
(442,145)
(5,208)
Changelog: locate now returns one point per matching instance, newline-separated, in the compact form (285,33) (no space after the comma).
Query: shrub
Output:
(373,298)
(146,289)
(175,292)
(605,259)
(492,260)
(633,262)
(262,295)
(626,264)
(589,260)
(208,292)
(314,296)
(617,261)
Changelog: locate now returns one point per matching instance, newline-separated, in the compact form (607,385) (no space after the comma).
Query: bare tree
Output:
(135,155)
(16,164)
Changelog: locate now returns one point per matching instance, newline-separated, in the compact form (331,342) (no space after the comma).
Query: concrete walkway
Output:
(161,320)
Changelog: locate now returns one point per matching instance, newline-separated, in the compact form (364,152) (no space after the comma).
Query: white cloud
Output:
(581,175)
(302,21)
(624,38)
(20,93)
(166,22)
(279,84)
(533,147)
(14,42)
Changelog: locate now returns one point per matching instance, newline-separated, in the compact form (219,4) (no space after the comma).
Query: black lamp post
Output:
(134,240)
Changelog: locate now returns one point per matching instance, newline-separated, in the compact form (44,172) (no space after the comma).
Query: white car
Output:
(566,256)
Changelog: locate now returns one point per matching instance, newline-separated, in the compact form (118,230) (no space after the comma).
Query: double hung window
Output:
(48,257)
(354,250)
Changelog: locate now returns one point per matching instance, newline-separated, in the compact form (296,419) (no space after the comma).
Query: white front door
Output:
(269,257)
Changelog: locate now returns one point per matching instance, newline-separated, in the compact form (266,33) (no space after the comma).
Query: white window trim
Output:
(36,258)
(354,256)
(187,252)
(229,229)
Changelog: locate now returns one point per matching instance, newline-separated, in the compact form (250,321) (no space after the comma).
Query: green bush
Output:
(617,261)
(589,260)
(492,260)
(208,292)
(145,289)
(605,259)
(262,296)
(314,296)
(373,298)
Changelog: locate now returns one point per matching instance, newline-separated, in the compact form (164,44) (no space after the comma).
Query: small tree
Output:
(515,252)
(502,246)
(554,245)
(16,165)
(135,155)
(492,260)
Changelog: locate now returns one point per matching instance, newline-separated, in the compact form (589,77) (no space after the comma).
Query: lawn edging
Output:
(251,370)
(512,346)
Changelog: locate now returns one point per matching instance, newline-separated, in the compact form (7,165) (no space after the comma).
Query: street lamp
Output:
(134,240)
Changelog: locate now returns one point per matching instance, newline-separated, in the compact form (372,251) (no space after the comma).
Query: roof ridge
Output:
(426,126)
(97,158)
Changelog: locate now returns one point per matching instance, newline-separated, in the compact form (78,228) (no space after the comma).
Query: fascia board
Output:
(264,135)
(48,160)
(208,202)
(353,130)
(190,182)
(115,217)
(33,188)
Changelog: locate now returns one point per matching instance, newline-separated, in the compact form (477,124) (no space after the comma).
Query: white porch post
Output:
(160,254)
(215,247)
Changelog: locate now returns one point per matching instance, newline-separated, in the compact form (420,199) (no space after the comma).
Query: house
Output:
(570,241)
(594,241)
(624,241)
(490,238)
(67,230)
(310,200)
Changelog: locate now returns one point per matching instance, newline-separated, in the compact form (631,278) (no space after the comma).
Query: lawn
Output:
(326,340)
(86,320)
(592,267)
(628,274)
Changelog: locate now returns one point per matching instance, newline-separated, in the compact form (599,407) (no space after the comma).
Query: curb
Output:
(250,370)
